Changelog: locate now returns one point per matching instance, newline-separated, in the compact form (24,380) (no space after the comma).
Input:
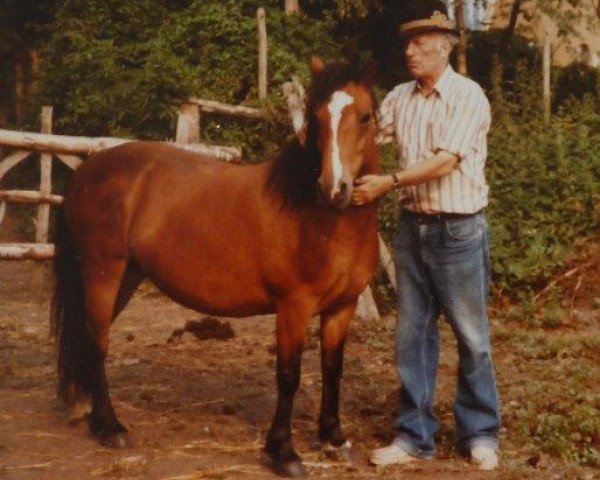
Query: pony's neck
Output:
(293,175)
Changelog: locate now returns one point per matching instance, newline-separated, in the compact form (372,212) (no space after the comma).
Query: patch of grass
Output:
(549,387)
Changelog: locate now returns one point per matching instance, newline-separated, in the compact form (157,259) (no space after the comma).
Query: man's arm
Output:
(369,187)
(462,132)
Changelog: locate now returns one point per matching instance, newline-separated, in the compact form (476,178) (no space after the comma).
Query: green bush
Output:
(485,48)
(121,68)
(117,68)
(575,81)
(545,184)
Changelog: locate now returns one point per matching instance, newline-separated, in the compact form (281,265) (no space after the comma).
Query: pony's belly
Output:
(226,295)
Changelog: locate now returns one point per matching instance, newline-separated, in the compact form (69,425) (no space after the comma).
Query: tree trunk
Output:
(512,25)
(35,59)
(292,7)
(514,16)
(461,48)
(20,90)
(3,113)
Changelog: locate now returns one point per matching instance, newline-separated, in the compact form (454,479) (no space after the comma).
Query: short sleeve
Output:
(386,124)
(468,123)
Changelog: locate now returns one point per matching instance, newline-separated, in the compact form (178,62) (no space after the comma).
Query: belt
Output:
(428,218)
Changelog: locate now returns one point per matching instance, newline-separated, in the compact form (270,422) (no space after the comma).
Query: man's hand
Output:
(369,187)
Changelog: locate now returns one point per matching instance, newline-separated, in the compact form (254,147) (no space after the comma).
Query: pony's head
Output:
(340,128)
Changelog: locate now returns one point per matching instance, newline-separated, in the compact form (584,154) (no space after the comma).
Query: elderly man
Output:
(440,123)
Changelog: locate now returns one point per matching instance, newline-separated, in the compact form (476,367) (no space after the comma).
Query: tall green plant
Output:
(545,183)
(119,68)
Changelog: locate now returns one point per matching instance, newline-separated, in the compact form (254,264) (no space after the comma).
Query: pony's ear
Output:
(316,65)
(371,72)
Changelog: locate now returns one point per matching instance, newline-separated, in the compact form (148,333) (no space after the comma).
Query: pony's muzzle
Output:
(337,195)
(339,192)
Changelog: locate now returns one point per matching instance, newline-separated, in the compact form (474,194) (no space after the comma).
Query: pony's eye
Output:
(365,118)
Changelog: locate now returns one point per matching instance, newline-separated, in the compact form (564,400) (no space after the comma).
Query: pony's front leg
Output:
(334,329)
(292,320)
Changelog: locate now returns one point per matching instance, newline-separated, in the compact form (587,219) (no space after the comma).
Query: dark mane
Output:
(296,170)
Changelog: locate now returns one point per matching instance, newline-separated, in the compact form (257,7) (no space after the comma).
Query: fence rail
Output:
(28,196)
(210,106)
(26,251)
(68,145)
(70,150)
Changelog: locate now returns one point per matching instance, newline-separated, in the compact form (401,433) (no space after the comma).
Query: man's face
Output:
(426,54)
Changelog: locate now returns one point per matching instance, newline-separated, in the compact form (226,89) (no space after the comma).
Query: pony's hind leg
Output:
(334,329)
(101,285)
(78,398)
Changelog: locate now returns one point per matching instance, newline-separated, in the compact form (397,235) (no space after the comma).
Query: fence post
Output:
(262,53)
(292,7)
(295,98)
(366,307)
(188,124)
(461,49)
(547,63)
(43,216)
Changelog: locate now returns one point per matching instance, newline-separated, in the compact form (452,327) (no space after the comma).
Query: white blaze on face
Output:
(339,101)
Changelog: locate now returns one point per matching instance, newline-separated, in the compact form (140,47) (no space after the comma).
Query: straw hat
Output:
(422,16)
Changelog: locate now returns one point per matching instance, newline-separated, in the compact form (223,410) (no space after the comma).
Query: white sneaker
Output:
(392,454)
(484,457)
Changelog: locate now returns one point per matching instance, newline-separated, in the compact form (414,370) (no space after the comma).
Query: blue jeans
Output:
(444,267)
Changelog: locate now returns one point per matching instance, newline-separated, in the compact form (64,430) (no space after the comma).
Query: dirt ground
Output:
(201,408)
(197,409)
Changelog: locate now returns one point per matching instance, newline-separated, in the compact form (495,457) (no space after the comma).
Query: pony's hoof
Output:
(118,440)
(293,469)
(343,453)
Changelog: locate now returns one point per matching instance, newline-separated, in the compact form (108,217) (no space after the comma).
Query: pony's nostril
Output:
(343,188)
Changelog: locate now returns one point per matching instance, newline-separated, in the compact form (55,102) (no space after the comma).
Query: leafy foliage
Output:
(545,183)
(119,68)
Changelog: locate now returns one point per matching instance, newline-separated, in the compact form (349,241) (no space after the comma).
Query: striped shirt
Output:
(455,117)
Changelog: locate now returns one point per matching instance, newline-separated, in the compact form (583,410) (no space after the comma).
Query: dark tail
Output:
(76,349)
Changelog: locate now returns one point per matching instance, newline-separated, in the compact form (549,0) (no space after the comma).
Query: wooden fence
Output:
(69,150)
(191,114)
